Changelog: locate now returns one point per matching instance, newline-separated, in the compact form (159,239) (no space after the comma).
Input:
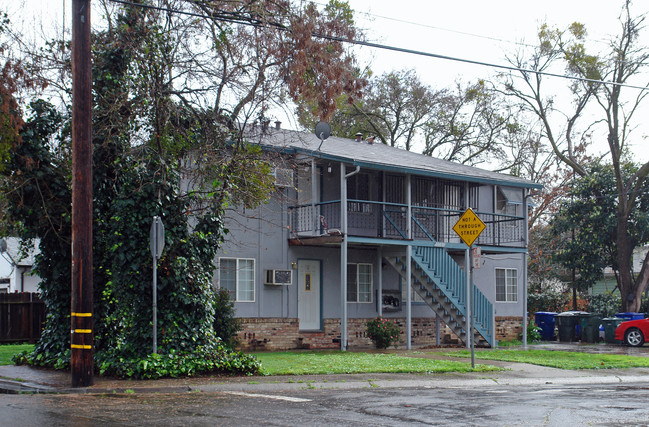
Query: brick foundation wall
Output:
(284,334)
(508,328)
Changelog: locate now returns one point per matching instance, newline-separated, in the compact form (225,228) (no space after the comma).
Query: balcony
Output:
(389,220)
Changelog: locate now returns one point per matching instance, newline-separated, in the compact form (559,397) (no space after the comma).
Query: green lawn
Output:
(559,359)
(7,351)
(338,362)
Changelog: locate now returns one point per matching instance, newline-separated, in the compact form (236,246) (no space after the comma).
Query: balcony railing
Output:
(389,220)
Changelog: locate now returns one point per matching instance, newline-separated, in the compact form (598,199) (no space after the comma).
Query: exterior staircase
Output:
(441,283)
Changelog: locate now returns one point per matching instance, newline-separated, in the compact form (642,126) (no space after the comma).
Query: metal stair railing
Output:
(451,280)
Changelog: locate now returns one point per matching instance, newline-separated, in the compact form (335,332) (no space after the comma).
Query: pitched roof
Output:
(381,157)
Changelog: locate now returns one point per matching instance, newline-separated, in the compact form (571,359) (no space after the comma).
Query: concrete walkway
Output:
(25,379)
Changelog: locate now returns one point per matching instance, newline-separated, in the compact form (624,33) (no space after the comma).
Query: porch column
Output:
(379,280)
(409,265)
(343,253)
(314,189)
(525,239)
(343,258)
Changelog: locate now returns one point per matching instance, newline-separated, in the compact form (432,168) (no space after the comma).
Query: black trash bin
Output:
(567,323)
(545,321)
(589,327)
(610,324)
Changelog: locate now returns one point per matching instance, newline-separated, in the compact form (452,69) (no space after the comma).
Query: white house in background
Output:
(16,269)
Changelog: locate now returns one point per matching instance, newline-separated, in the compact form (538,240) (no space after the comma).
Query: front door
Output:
(308,295)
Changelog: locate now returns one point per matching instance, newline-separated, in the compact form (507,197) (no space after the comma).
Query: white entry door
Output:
(308,295)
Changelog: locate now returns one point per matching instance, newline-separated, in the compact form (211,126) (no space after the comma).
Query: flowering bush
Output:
(383,332)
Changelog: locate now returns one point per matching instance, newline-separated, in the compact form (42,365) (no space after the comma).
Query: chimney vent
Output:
(278,124)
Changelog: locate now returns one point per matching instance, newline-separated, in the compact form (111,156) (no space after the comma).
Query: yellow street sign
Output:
(469,227)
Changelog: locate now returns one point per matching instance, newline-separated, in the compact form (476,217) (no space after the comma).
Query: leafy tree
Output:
(566,132)
(587,225)
(169,138)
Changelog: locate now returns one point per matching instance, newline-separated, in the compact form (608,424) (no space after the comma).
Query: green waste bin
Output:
(610,324)
(589,327)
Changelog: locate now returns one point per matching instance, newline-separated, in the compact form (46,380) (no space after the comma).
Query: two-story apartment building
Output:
(357,230)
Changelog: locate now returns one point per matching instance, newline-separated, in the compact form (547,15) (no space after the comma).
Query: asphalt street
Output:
(521,395)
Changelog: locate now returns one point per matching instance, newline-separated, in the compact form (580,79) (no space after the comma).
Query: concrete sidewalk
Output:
(25,379)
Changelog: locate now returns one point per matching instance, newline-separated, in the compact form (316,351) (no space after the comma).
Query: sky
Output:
(473,29)
(469,29)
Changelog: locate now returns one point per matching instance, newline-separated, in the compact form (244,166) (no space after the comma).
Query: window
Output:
(506,285)
(359,282)
(237,275)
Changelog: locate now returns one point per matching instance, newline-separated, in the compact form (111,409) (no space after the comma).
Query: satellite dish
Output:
(323,130)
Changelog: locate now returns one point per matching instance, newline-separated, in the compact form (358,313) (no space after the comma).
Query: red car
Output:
(633,332)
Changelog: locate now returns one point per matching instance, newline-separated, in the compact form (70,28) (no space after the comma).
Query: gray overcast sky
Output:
(469,29)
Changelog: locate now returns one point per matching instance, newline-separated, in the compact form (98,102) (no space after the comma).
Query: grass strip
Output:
(7,351)
(338,362)
(571,360)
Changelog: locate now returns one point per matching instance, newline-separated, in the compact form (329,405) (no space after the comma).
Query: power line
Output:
(240,19)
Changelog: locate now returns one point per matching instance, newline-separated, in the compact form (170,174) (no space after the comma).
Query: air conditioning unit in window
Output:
(278,277)
(283,177)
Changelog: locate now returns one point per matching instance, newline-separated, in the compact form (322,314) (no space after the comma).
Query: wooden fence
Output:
(22,316)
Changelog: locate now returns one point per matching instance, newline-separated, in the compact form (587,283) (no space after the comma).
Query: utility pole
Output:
(81,362)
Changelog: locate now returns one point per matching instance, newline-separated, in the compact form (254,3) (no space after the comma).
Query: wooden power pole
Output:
(81,362)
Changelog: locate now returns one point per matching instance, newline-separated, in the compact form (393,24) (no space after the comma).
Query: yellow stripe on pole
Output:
(81,346)
(81,314)
(82,331)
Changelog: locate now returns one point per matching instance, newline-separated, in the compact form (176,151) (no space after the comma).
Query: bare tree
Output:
(614,107)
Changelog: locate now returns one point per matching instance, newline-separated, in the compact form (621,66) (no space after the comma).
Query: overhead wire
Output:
(243,20)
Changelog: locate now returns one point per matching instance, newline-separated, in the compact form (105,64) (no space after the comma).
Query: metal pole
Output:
(471,304)
(81,361)
(467,269)
(155,303)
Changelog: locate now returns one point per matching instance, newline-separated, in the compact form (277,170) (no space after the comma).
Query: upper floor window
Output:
(506,285)
(359,282)
(237,275)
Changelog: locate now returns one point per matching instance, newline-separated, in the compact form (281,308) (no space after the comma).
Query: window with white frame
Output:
(237,275)
(359,282)
(506,285)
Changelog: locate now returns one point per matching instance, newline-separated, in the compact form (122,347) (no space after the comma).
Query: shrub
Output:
(606,305)
(546,300)
(383,332)
(226,326)
(533,332)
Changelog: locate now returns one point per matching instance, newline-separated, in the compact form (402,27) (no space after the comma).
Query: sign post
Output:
(469,227)
(157,236)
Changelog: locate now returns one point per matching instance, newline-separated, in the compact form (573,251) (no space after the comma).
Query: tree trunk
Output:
(630,301)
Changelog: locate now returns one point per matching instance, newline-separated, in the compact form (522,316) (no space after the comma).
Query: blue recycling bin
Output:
(630,316)
(545,321)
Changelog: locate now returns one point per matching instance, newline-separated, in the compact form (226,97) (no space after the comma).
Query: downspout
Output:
(343,253)
(409,265)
